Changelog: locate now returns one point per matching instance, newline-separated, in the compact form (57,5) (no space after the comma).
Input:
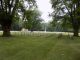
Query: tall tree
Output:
(8,8)
(70,8)
(33,19)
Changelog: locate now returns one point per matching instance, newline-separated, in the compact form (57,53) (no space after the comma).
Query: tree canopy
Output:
(33,19)
(8,9)
(70,8)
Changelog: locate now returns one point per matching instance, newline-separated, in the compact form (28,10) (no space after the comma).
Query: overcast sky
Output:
(45,7)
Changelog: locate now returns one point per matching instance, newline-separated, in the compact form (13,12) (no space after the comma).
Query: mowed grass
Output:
(39,47)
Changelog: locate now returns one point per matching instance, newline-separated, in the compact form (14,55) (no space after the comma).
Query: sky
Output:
(45,7)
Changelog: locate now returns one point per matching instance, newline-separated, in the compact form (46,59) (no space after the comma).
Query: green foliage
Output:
(9,8)
(69,9)
(16,25)
(33,20)
(8,11)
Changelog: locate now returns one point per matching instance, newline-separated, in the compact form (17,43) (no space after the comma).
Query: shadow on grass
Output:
(76,56)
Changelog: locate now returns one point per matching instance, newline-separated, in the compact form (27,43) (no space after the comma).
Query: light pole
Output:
(45,27)
(24,21)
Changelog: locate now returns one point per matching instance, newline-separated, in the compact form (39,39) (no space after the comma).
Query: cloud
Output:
(45,7)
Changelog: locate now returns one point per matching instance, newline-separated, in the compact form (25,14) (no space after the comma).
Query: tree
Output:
(70,8)
(61,23)
(8,8)
(17,24)
(33,19)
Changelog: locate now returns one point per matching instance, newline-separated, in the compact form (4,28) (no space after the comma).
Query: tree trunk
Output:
(75,24)
(76,32)
(6,31)
(76,21)
(76,28)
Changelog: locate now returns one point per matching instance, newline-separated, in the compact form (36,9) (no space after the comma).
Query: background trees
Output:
(8,9)
(32,19)
(70,9)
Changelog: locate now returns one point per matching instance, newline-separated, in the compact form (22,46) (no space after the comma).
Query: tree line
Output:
(25,14)
(67,11)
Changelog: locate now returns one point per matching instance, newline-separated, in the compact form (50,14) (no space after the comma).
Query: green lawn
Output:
(41,47)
